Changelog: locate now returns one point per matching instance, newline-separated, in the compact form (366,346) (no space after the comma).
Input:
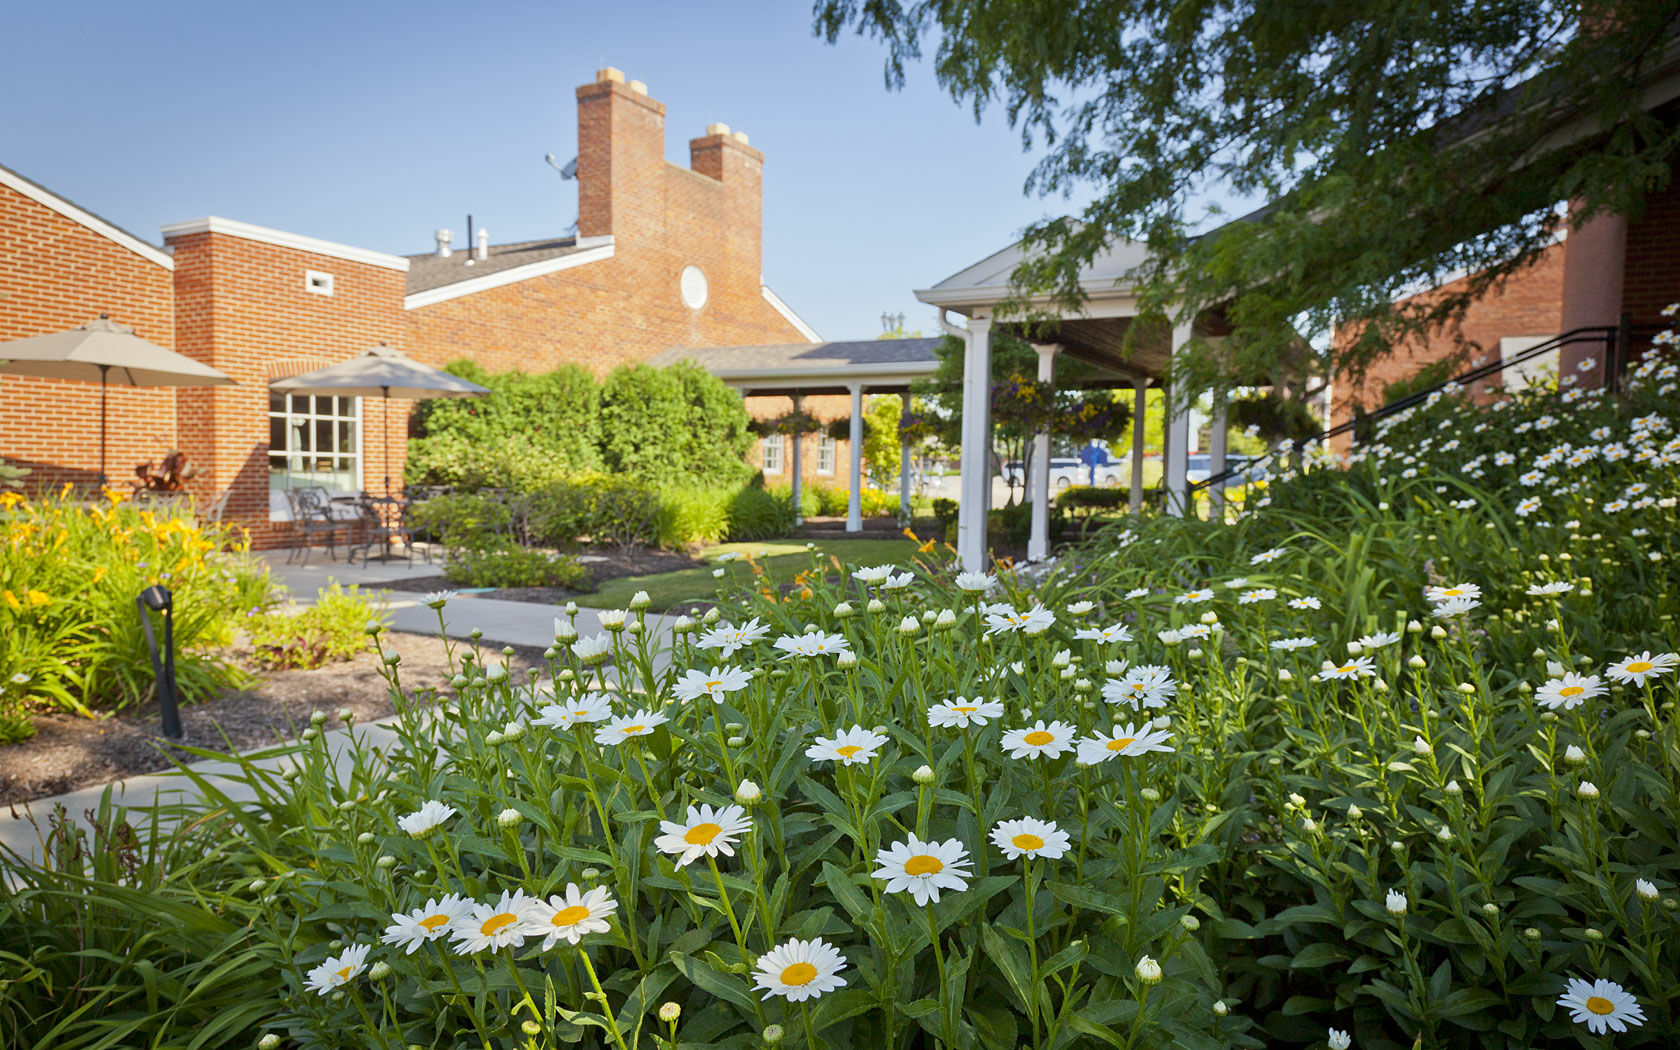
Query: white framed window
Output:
(317,282)
(314,442)
(825,454)
(773,453)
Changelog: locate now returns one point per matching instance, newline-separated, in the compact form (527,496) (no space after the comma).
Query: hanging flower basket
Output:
(789,424)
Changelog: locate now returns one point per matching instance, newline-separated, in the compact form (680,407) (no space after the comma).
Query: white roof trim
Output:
(149,252)
(594,250)
(233,228)
(787,313)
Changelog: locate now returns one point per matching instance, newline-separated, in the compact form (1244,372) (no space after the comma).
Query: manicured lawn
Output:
(784,558)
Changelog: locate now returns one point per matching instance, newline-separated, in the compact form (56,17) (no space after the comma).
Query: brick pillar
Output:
(1593,259)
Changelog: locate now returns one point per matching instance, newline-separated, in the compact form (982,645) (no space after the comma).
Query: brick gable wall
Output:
(59,274)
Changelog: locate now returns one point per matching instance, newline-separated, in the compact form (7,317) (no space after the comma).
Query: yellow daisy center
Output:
(1027,842)
(1121,743)
(496,923)
(1639,666)
(1134,687)
(344,974)
(1345,668)
(580,712)
(431,922)
(965,710)
(799,974)
(1600,1005)
(713,685)
(570,916)
(631,730)
(1038,738)
(922,864)
(1452,593)
(848,750)
(1571,690)
(702,834)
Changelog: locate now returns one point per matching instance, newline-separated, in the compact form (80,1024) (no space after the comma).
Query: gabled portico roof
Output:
(881,365)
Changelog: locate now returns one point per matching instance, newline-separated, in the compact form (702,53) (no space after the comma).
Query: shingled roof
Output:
(813,367)
(426,272)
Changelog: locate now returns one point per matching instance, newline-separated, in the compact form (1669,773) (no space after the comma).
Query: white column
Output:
(854,506)
(1140,387)
(1038,542)
(976,445)
(904,515)
(1217,434)
(1177,436)
(794,467)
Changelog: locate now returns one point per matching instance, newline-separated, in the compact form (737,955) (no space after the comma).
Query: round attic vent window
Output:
(693,287)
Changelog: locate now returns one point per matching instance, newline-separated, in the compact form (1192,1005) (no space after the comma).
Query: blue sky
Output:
(374,123)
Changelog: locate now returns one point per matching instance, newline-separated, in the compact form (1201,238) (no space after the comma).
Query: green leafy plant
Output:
(334,628)
(507,565)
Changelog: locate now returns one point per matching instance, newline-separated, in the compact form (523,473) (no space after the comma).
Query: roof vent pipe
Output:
(443,236)
(483,251)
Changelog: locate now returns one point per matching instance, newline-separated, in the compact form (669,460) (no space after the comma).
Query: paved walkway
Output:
(503,622)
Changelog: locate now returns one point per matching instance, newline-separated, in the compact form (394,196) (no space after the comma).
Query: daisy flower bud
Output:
(1414,627)
(875,605)
(1466,688)
(717,574)
(712,614)
(1422,746)
(1296,800)
(379,971)
(1284,675)
(1532,934)
(1148,970)
(846,659)
(773,1034)
(310,734)
(1445,834)
(1588,790)
(844,610)
(1593,934)
(391,657)
(736,741)
(1490,909)
(1150,795)
(640,601)
(669,1012)
(1194,654)
(1190,922)
(909,626)
(1437,632)
(1647,891)
(945,620)
(1354,812)
(1416,662)
(591,873)
(317,718)
(372,627)
(385,863)
(268,1042)
(1219,1008)
(1395,903)
(1452,788)
(493,738)
(1574,756)
(508,818)
(748,793)
(923,775)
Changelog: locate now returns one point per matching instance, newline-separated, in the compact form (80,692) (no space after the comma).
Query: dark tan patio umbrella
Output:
(384,373)
(105,352)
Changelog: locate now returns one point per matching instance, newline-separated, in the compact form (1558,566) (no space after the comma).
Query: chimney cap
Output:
(717,129)
(638,87)
(741,137)
(609,75)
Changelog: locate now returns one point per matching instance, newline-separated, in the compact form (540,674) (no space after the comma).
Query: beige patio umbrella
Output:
(106,352)
(381,372)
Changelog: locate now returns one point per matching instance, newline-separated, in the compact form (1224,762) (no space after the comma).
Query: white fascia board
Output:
(594,249)
(836,377)
(787,313)
(1105,299)
(280,238)
(81,217)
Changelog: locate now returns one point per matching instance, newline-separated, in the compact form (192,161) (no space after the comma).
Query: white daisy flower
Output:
(1568,692)
(1289,645)
(800,970)
(425,820)
(570,916)
(1395,902)
(1258,594)
(1137,592)
(413,928)
(975,582)
(922,869)
(1305,602)
(1194,597)
(1437,595)
(579,710)
(1455,607)
(1268,556)
(338,970)
(1379,639)
(812,643)
(1528,506)
(623,727)
(1359,667)
(1080,608)
(898,582)
(1601,1005)
(1002,619)
(850,746)
(1541,590)
(593,649)
(963,712)
(1039,741)
(716,683)
(1637,669)
(1338,1039)
(727,639)
(1030,837)
(1117,633)
(1124,741)
(872,574)
(704,832)
(1147,685)
(493,926)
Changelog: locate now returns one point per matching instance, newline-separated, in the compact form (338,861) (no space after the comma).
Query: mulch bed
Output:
(69,752)
(638,561)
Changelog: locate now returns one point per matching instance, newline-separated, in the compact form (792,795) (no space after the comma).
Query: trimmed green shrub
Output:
(507,565)
(460,519)
(549,423)
(692,517)
(508,462)
(675,422)
(755,514)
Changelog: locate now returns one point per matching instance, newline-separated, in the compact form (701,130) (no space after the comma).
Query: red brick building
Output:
(664,257)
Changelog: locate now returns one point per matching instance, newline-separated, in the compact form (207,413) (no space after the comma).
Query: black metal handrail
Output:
(1615,339)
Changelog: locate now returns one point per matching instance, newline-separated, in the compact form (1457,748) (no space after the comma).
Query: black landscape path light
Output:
(158,599)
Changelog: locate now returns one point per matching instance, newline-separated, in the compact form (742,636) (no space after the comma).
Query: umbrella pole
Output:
(385,414)
(103,371)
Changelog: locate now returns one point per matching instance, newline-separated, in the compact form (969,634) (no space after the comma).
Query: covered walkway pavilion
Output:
(801,370)
(1095,334)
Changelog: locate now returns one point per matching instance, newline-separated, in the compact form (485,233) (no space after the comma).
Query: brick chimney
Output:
(726,156)
(621,155)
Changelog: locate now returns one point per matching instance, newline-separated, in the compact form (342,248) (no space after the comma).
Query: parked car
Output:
(1066,471)
(1200,468)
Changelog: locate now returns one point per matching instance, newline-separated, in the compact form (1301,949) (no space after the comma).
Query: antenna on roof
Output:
(567,170)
